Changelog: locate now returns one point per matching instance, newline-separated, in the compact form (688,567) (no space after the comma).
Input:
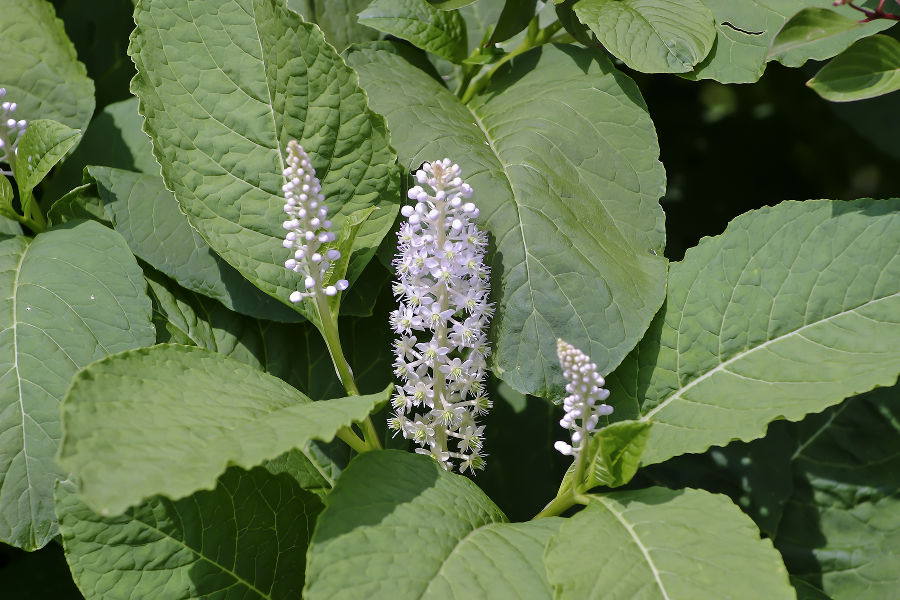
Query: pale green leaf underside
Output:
(195,409)
(745,30)
(245,539)
(841,528)
(653,36)
(570,201)
(224,86)
(41,72)
(67,298)
(398,527)
(146,214)
(43,144)
(663,544)
(818,34)
(868,68)
(791,310)
(440,32)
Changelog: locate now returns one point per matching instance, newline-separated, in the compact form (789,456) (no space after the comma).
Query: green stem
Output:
(29,223)
(531,41)
(352,440)
(333,342)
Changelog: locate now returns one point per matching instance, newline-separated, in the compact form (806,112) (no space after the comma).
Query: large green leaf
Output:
(570,201)
(146,214)
(653,36)
(221,112)
(840,529)
(868,68)
(666,544)
(69,297)
(792,309)
(244,539)
(745,30)
(196,409)
(440,32)
(41,72)
(818,34)
(398,526)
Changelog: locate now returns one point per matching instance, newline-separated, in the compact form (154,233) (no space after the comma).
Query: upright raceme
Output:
(308,226)
(584,405)
(442,320)
(10,131)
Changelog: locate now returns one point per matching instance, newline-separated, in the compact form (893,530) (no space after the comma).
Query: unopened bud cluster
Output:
(10,131)
(308,226)
(584,405)
(442,320)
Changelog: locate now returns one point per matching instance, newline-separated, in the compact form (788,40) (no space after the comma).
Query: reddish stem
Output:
(871,15)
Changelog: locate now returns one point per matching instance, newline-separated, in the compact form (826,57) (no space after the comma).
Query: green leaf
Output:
(440,32)
(839,528)
(220,119)
(6,193)
(69,296)
(571,204)
(515,17)
(41,72)
(745,30)
(398,526)
(340,24)
(43,144)
(146,214)
(868,68)
(652,36)
(615,453)
(197,409)
(113,139)
(818,34)
(661,543)
(344,244)
(792,309)
(450,4)
(246,538)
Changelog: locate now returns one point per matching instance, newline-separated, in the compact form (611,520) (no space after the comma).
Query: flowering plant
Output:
(383,307)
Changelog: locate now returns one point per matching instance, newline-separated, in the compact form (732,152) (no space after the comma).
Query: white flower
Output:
(11,131)
(584,405)
(308,226)
(442,320)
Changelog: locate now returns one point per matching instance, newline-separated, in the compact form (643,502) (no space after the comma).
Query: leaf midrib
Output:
(721,366)
(200,554)
(637,540)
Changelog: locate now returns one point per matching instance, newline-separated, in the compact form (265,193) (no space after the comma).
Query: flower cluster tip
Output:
(584,404)
(309,229)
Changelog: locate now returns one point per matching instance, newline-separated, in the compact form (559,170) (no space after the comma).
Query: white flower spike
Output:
(11,131)
(308,226)
(584,405)
(442,320)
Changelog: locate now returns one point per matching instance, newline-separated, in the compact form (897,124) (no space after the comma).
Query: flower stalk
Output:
(309,239)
